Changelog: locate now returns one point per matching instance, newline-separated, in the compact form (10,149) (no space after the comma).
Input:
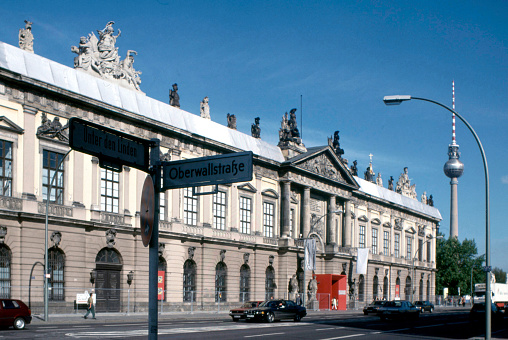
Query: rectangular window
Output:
(409,242)
(361,241)
(245,212)
(396,245)
(374,241)
(110,191)
(50,162)
(386,243)
(429,251)
(219,210)
(5,168)
(420,249)
(162,211)
(190,207)
(268,217)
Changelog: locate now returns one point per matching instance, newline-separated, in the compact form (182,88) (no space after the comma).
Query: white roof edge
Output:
(34,66)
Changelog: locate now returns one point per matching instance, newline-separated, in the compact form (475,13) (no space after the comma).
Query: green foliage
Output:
(456,263)
(500,275)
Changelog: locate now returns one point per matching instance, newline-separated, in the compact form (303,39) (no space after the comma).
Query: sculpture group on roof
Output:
(404,186)
(26,38)
(100,57)
(289,131)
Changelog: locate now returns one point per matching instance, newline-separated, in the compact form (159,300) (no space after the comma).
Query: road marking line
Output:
(457,323)
(438,325)
(259,335)
(398,330)
(345,336)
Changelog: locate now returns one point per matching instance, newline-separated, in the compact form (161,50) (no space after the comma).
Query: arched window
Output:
(407,289)
(189,281)
(361,288)
(221,272)
(385,288)
(421,290)
(56,269)
(397,287)
(269,283)
(375,287)
(5,272)
(109,256)
(162,268)
(428,289)
(244,283)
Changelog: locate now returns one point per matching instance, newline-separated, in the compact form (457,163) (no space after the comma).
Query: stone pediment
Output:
(247,187)
(9,125)
(326,164)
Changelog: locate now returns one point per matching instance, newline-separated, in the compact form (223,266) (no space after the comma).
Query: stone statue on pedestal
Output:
(379,180)
(204,109)
(231,121)
(174,98)
(26,38)
(256,129)
(354,168)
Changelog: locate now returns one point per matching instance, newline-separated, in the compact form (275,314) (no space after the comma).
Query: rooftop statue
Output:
(26,38)
(390,183)
(204,109)
(404,186)
(255,129)
(379,180)
(336,145)
(289,131)
(174,98)
(231,121)
(100,57)
(354,168)
(424,197)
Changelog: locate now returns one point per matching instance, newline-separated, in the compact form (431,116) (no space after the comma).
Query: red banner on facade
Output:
(160,285)
(397,291)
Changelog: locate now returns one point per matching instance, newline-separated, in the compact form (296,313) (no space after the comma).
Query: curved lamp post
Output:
(396,100)
(413,264)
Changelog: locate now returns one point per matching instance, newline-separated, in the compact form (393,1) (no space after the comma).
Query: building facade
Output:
(244,242)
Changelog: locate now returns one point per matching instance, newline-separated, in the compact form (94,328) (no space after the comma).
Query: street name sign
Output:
(113,148)
(213,170)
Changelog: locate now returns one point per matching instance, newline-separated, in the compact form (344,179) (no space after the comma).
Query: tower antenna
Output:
(301,116)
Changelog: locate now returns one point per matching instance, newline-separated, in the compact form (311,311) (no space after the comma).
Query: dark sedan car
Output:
(373,307)
(14,313)
(398,309)
(477,313)
(424,306)
(276,310)
(239,313)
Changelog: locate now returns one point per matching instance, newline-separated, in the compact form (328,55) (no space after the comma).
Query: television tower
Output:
(454,169)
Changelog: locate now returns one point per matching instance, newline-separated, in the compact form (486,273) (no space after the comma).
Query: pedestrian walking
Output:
(90,307)
(334,303)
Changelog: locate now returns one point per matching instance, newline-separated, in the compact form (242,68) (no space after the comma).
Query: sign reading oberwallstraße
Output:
(221,169)
(110,146)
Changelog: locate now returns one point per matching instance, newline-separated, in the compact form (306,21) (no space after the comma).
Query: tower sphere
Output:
(453,168)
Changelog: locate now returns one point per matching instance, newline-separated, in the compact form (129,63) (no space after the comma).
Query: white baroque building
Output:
(245,242)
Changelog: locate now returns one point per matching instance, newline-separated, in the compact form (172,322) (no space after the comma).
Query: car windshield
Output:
(249,304)
(269,304)
(393,304)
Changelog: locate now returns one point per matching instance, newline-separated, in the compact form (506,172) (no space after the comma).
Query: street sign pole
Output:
(153,250)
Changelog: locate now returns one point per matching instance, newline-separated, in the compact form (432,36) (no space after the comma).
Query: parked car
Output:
(14,313)
(276,310)
(373,307)
(239,313)
(477,312)
(424,306)
(398,309)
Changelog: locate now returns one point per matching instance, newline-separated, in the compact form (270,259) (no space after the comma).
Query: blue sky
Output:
(258,58)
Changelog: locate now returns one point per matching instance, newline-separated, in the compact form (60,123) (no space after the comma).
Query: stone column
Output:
(285,208)
(29,154)
(305,212)
(332,234)
(347,225)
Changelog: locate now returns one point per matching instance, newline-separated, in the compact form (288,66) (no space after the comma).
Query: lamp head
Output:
(395,100)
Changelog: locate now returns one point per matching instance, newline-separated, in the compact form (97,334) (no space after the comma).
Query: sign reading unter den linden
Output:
(110,146)
(228,168)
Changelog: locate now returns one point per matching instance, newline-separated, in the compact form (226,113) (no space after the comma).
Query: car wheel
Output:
(19,323)
(270,317)
(297,318)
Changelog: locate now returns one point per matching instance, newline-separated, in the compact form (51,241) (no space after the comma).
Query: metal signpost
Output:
(115,149)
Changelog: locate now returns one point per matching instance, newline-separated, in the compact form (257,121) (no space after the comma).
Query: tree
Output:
(500,275)
(456,262)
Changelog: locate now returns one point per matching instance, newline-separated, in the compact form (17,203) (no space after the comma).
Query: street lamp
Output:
(396,100)
(413,264)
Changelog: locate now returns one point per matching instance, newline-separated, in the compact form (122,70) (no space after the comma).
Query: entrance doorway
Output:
(108,265)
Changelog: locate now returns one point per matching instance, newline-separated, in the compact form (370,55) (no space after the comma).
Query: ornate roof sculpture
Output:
(26,38)
(100,57)
(404,186)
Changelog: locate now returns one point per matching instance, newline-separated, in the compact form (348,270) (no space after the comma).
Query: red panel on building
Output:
(160,285)
(330,286)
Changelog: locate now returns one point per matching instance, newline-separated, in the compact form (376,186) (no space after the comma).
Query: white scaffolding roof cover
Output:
(34,66)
